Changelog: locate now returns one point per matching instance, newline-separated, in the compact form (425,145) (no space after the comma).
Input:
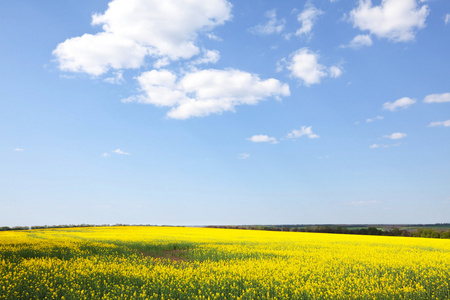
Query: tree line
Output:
(6,228)
(413,232)
(420,232)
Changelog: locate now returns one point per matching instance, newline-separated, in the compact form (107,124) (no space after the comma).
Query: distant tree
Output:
(445,234)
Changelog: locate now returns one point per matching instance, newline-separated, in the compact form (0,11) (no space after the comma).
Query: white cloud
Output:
(383,146)
(395,136)
(437,98)
(443,123)
(402,103)
(160,89)
(307,17)
(213,37)
(261,138)
(118,151)
(105,154)
(305,66)
(447,19)
(117,79)
(204,92)
(162,62)
(210,56)
(334,71)
(272,26)
(304,131)
(359,41)
(134,29)
(18,149)
(369,120)
(396,20)
(95,54)
(243,155)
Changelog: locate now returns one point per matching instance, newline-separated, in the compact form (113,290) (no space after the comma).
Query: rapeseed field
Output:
(200,263)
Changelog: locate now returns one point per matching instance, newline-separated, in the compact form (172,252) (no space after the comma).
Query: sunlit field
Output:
(200,263)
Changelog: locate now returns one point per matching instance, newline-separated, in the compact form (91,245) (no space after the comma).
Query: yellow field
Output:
(199,263)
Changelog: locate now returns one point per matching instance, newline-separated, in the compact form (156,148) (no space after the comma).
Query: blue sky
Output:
(224,112)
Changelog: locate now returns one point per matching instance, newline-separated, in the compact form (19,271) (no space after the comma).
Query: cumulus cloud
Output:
(307,18)
(359,41)
(304,131)
(95,54)
(18,149)
(261,138)
(401,103)
(396,20)
(204,92)
(442,123)
(118,151)
(272,26)
(437,98)
(395,136)
(304,65)
(134,29)
(243,155)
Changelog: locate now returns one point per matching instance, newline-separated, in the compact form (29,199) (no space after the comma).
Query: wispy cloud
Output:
(105,154)
(272,26)
(363,202)
(307,18)
(401,103)
(118,151)
(262,138)
(359,41)
(447,19)
(395,136)
(243,155)
(437,98)
(370,120)
(209,56)
(18,149)
(116,79)
(304,131)
(373,146)
(442,123)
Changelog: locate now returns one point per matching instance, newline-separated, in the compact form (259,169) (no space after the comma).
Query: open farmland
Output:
(202,263)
